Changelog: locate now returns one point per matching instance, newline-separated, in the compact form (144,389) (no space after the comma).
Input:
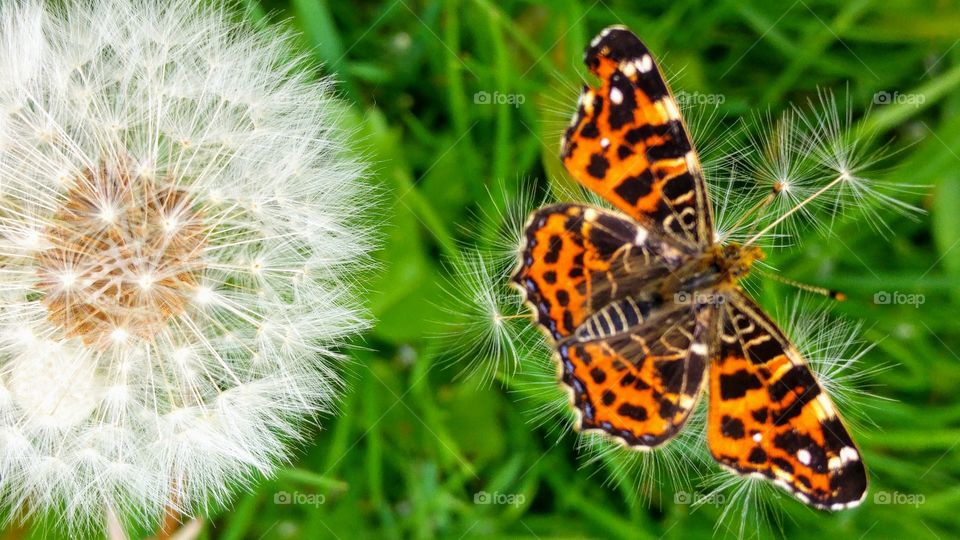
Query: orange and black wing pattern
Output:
(636,369)
(576,259)
(629,144)
(769,416)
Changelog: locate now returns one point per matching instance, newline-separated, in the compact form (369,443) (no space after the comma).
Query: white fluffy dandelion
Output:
(178,227)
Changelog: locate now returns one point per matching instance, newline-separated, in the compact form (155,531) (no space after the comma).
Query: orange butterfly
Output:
(639,302)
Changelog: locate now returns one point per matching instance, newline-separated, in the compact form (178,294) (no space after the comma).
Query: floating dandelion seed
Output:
(804,168)
(179,230)
(487,320)
(492,333)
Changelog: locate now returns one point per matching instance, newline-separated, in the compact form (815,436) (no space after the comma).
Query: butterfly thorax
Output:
(734,261)
(718,269)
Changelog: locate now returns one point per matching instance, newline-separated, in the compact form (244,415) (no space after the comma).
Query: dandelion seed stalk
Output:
(796,208)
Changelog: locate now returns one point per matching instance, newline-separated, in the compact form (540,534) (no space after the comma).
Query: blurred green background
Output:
(416,442)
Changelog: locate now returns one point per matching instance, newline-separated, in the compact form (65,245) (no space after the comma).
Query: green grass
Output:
(414,443)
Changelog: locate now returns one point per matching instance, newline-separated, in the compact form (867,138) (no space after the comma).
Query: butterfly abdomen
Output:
(617,318)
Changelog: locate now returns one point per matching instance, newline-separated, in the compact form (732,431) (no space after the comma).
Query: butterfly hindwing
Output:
(628,142)
(638,381)
(576,259)
(768,415)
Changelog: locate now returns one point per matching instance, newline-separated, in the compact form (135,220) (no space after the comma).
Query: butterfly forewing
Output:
(628,142)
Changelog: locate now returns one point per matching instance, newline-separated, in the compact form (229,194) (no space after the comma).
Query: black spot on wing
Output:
(634,188)
(783,464)
(835,436)
(678,186)
(598,166)
(670,373)
(635,412)
(736,385)
(798,380)
(652,84)
(641,133)
(757,456)
(676,146)
(849,483)
(622,113)
(590,130)
(732,428)
(618,44)
(554,246)
(764,351)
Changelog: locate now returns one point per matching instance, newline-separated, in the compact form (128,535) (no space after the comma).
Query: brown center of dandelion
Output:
(123,256)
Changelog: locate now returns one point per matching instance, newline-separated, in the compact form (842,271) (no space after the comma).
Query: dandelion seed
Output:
(164,177)
(491,329)
(806,168)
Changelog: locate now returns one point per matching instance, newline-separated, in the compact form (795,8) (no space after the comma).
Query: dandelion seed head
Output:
(167,178)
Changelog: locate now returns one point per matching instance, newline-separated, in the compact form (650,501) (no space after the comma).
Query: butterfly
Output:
(643,305)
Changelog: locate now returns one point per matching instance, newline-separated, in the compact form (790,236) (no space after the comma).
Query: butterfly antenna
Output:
(823,291)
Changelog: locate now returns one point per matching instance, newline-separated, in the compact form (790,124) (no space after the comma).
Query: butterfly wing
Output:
(639,380)
(576,259)
(628,142)
(633,360)
(769,416)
